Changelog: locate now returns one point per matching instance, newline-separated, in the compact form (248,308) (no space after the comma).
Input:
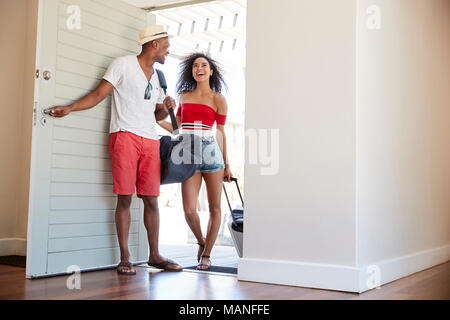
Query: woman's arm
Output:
(168,125)
(222,109)
(222,142)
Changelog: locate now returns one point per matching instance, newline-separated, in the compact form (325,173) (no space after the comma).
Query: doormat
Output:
(218,269)
(18,261)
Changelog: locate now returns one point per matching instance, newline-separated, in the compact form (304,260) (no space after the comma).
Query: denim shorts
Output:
(212,158)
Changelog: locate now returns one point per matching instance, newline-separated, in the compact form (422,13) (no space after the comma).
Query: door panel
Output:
(85,259)
(71,218)
(86,243)
(86,216)
(64,231)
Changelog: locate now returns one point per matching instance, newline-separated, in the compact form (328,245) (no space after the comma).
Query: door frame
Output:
(36,241)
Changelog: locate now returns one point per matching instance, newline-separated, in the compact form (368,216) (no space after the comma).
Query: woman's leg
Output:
(189,191)
(214,184)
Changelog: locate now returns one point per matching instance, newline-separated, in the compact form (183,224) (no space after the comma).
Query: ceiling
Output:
(153,3)
(215,26)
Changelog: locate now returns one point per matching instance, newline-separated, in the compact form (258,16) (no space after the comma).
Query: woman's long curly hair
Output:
(187,83)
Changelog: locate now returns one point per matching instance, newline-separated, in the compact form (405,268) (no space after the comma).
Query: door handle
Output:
(46,112)
(47,75)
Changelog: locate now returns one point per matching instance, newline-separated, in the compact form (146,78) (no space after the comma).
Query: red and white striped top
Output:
(195,116)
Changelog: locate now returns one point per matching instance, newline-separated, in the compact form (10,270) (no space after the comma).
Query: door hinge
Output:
(35,114)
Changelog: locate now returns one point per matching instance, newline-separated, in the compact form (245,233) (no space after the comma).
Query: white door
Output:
(71,215)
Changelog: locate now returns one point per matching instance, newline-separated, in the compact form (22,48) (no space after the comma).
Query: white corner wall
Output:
(364,152)
(301,78)
(18,21)
(403,198)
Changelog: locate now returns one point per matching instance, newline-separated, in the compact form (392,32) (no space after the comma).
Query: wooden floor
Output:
(147,284)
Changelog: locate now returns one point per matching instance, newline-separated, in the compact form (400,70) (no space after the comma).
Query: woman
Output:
(202,104)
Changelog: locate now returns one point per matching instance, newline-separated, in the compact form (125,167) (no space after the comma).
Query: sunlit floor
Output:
(186,255)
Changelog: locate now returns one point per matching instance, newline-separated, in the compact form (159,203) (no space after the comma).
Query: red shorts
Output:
(135,163)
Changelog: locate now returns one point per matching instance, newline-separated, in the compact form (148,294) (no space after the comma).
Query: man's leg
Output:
(124,160)
(123,221)
(151,222)
(148,189)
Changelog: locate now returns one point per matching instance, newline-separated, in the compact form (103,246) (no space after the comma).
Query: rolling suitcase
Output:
(236,221)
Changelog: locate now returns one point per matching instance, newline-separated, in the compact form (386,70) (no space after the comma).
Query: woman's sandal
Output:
(205,265)
(127,265)
(200,250)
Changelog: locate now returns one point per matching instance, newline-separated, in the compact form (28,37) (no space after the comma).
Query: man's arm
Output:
(162,110)
(87,102)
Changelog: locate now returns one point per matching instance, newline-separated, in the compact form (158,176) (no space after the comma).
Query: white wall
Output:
(301,75)
(404,136)
(18,35)
(364,141)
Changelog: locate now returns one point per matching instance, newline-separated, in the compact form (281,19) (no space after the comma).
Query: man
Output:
(138,101)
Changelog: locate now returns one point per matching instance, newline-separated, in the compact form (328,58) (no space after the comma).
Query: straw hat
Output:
(151,33)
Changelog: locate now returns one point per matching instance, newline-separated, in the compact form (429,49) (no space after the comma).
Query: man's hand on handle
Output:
(60,111)
(169,102)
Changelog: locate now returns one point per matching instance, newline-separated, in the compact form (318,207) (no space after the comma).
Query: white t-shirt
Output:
(129,110)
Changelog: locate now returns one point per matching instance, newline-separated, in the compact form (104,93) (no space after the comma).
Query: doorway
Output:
(217,28)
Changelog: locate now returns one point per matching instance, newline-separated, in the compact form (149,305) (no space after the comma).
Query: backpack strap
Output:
(163,83)
(162,80)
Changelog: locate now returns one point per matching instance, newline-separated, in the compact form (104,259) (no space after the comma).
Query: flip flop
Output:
(126,265)
(167,265)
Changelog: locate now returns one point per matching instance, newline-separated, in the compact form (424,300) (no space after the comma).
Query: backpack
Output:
(171,172)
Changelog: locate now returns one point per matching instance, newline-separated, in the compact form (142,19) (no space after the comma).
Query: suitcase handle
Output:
(239,190)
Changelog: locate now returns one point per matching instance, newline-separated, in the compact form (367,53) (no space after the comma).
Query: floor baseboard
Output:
(13,246)
(308,275)
(337,277)
(380,273)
